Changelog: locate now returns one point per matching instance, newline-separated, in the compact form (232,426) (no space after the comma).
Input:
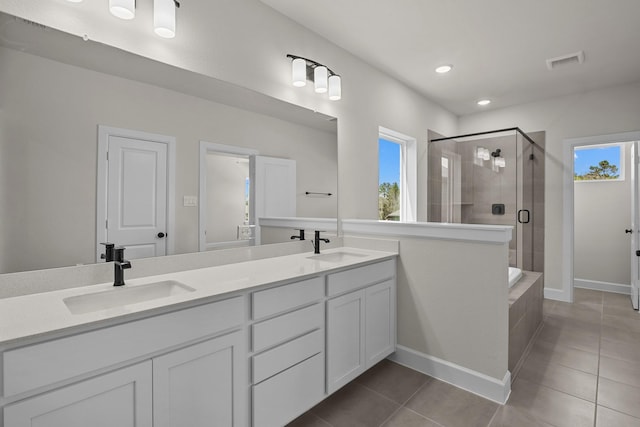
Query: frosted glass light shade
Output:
(482,153)
(164,18)
(320,76)
(335,88)
(123,9)
(299,72)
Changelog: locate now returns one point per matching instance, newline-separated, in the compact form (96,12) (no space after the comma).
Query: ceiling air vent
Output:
(572,58)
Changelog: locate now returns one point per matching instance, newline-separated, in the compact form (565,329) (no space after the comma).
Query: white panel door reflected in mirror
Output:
(237,187)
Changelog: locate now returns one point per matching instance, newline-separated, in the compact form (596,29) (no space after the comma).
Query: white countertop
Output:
(34,315)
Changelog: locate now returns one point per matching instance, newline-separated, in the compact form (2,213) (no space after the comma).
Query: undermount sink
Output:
(337,256)
(125,295)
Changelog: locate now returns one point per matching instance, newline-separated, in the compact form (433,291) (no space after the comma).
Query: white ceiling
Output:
(498,47)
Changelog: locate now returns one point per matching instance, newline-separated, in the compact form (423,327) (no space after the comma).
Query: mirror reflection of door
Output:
(227,198)
(237,187)
(134,191)
(225,193)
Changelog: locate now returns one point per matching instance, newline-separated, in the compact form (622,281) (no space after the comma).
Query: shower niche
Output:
(495,178)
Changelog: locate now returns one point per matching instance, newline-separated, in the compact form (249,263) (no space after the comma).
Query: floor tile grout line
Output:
(380,394)
(404,405)
(595,408)
(390,416)
(493,417)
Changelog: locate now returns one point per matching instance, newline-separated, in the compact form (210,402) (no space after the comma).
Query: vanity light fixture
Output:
(164,18)
(324,79)
(321,79)
(443,69)
(484,102)
(299,72)
(164,14)
(335,87)
(498,160)
(123,9)
(482,153)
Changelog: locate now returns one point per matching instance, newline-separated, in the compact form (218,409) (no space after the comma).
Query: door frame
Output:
(207,147)
(104,132)
(566,293)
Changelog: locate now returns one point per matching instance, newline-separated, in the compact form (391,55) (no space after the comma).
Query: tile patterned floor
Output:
(582,370)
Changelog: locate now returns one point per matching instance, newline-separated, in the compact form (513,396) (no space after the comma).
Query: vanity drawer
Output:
(283,328)
(283,298)
(359,277)
(286,355)
(39,365)
(289,394)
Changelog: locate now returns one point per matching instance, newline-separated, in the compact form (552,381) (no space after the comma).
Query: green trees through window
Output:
(389,201)
(604,170)
(597,163)
(389,180)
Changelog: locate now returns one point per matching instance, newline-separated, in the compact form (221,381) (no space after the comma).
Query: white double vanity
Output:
(252,343)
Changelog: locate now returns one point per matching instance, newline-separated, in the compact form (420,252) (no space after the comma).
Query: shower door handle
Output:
(520,212)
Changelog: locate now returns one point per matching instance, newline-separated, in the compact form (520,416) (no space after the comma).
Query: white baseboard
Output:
(555,294)
(459,376)
(618,288)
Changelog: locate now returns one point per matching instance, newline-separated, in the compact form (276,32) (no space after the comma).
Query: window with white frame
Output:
(603,162)
(397,176)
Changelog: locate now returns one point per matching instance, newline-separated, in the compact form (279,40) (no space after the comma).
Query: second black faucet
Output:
(119,266)
(316,241)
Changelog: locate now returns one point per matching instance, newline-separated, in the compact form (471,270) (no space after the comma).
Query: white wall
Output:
(4,179)
(602,210)
(454,313)
(606,111)
(245,42)
(51,113)
(452,299)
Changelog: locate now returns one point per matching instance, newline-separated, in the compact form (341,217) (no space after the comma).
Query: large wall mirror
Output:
(59,94)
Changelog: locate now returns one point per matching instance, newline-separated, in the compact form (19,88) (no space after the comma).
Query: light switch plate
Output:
(245,232)
(190,201)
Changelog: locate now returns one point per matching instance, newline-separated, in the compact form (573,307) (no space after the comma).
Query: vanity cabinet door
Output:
(345,339)
(380,329)
(121,398)
(202,385)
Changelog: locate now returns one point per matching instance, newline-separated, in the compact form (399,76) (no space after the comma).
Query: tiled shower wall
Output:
(525,315)
(481,187)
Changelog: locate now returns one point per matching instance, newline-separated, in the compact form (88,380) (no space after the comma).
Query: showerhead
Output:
(496,153)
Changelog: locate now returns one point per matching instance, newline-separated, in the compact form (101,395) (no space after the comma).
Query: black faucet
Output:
(107,256)
(316,242)
(119,266)
(301,236)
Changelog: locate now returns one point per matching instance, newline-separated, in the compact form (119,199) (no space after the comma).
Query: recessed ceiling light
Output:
(484,102)
(444,69)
